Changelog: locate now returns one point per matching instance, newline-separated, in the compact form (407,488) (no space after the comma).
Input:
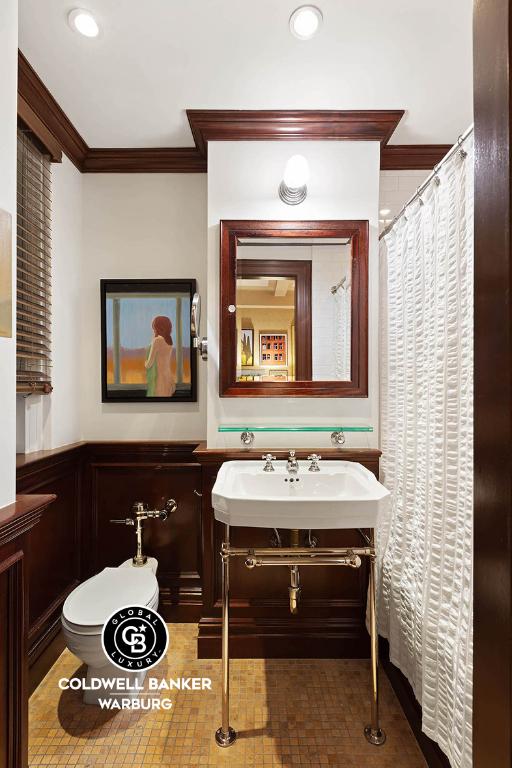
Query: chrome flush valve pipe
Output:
(140,512)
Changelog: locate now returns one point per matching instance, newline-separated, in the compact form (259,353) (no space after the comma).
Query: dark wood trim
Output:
(18,518)
(39,107)
(43,661)
(283,638)
(300,272)
(16,522)
(412,157)
(215,456)
(41,113)
(16,705)
(291,125)
(230,232)
(434,755)
(47,140)
(146,160)
(492,704)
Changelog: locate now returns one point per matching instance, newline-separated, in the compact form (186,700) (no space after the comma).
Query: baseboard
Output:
(266,638)
(432,752)
(41,663)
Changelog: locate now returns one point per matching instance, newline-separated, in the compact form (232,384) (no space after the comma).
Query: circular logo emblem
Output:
(135,638)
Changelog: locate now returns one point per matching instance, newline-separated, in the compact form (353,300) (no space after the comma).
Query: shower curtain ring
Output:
(462,152)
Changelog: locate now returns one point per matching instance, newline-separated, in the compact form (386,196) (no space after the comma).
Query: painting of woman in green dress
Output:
(161,360)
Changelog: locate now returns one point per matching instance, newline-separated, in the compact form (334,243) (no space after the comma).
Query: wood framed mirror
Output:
(293,309)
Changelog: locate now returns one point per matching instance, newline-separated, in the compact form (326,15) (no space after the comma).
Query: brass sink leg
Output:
(225,735)
(373,732)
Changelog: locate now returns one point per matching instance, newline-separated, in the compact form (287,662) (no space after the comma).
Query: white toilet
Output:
(86,610)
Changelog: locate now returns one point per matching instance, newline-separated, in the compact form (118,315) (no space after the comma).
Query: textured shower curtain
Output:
(425,545)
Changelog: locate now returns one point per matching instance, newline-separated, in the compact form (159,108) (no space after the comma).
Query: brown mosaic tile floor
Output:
(286,712)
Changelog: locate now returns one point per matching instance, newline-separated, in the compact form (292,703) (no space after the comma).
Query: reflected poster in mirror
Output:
(294,308)
(146,343)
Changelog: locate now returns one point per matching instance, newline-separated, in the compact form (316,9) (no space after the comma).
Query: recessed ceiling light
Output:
(306,21)
(83,22)
(384,211)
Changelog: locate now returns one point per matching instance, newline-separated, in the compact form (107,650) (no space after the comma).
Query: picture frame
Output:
(147,354)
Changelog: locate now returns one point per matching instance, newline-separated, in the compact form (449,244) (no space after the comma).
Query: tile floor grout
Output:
(296,712)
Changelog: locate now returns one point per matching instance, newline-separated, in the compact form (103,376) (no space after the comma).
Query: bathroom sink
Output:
(343,494)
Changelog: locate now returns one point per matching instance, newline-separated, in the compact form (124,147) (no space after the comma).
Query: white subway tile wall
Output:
(396,187)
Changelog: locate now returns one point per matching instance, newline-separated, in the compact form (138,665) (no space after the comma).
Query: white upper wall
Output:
(139,226)
(243,178)
(8,118)
(152,60)
(67,269)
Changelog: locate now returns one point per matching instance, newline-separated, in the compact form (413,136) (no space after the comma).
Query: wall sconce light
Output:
(293,189)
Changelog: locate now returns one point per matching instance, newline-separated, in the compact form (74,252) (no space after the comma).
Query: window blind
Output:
(33,307)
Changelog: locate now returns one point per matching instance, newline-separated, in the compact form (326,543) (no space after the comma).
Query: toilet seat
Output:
(91,603)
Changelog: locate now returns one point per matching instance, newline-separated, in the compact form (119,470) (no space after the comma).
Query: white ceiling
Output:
(153,59)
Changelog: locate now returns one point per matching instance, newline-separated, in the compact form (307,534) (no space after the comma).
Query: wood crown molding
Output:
(38,109)
(41,113)
(291,125)
(414,157)
(157,160)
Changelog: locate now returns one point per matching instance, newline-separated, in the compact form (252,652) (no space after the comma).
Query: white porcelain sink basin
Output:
(344,494)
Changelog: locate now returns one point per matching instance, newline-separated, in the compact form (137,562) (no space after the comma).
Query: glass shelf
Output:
(289,428)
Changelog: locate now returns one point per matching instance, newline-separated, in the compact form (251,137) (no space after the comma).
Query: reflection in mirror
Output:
(293,309)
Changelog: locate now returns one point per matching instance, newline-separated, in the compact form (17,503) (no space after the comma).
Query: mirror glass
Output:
(293,309)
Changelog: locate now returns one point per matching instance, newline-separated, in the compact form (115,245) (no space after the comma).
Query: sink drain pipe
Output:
(294,588)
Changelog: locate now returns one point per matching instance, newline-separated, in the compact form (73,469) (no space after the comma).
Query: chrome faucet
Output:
(140,512)
(268,459)
(292,465)
(314,458)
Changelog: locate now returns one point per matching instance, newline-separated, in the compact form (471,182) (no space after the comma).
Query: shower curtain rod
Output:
(458,146)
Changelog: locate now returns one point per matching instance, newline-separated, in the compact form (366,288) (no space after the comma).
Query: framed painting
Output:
(5,274)
(273,349)
(247,346)
(146,341)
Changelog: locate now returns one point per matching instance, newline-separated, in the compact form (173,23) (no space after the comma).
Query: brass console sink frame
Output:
(290,557)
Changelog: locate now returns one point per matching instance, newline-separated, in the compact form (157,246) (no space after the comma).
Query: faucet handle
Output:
(292,454)
(268,459)
(314,458)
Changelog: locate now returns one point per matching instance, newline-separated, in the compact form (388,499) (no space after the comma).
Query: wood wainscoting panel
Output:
(12,662)
(16,523)
(117,475)
(331,618)
(54,547)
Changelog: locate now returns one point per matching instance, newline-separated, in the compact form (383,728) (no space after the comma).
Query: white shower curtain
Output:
(425,546)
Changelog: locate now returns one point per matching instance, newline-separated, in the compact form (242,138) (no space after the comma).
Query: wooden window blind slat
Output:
(36,175)
(33,345)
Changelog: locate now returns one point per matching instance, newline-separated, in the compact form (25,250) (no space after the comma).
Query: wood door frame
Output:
(230,234)
(492,705)
(300,272)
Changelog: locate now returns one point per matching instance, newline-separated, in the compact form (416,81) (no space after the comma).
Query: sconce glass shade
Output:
(293,189)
